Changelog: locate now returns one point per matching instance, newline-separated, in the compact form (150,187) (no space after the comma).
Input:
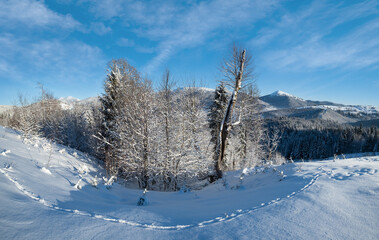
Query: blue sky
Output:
(320,50)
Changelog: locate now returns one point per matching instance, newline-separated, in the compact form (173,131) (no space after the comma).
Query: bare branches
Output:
(236,71)
(231,68)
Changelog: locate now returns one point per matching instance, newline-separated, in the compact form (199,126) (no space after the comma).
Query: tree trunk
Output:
(226,124)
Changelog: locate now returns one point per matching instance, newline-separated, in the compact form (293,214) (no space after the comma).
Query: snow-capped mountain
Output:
(276,104)
(281,93)
(282,100)
(70,102)
(279,104)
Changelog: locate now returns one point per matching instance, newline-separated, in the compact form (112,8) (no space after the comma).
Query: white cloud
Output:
(124,42)
(99,28)
(308,38)
(33,14)
(52,60)
(174,26)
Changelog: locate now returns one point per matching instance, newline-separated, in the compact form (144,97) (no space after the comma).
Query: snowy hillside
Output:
(282,100)
(49,191)
(4,108)
(353,109)
(281,104)
(70,102)
(276,104)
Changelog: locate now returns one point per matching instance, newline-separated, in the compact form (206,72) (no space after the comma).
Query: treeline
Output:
(166,140)
(158,139)
(45,117)
(315,139)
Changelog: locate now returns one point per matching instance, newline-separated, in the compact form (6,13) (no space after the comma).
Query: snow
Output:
(200,89)
(4,108)
(45,170)
(69,99)
(281,93)
(352,109)
(332,199)
(68,103)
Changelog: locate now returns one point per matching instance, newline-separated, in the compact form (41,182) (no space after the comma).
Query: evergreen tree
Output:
(217,111)
(216,115)
(110,109)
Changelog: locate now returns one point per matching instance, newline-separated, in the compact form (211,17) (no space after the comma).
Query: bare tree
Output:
(166,106)
(237,71)
(271,140)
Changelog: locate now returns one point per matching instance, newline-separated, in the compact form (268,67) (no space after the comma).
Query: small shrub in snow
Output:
(5,152)
(8,165)
(143,200)
(77,185)
(300,166)
(95,182)
(184,189)
(108,182)
(279,173)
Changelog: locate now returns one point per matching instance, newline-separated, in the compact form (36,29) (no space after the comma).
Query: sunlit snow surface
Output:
(50,191)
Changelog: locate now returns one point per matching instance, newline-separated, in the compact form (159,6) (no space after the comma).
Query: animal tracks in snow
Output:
(224,218)
(346,175)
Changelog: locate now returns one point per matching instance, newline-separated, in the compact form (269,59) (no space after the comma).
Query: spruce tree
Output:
(110,110)
(216,115)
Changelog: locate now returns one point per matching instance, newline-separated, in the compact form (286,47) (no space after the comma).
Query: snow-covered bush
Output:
(143,200)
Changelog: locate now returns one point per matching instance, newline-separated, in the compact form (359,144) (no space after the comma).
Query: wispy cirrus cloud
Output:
(45,53)
(125,42)
(33,14)
(51,60)
(323,35)
(173,26)
(99,28)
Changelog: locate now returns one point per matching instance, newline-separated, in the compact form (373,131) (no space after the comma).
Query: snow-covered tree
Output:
(216,115)
(194,135)
(237,71)
(127,110)
(248,133)
(111,107)
(166,140)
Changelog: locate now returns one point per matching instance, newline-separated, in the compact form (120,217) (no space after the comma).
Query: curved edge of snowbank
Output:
(226,218)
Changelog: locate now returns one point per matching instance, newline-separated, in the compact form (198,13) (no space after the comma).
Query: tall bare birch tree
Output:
(237,72)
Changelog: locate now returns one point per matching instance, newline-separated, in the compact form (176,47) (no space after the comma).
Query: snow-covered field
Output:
(49,191)
(357,109)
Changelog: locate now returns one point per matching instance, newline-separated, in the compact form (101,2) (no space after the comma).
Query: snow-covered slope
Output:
(4,108)
(309,113)
(352,109)
(71,102)
(49,191)
(279,104)
(282,100)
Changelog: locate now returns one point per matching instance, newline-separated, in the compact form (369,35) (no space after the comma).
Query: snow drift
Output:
(64,190)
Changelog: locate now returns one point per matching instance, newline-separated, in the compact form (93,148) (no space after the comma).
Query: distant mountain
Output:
(281,104)
(70,102)
(4,108)
(282,100)
(276,104)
